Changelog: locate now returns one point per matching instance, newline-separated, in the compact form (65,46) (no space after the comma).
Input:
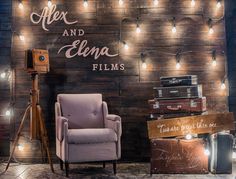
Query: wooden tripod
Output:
(37,125)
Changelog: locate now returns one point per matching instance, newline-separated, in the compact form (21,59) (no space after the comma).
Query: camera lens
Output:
(41,58)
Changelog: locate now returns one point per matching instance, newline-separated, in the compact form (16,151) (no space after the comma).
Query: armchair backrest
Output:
(82,110)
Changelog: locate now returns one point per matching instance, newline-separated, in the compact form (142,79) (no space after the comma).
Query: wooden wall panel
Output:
(107,24)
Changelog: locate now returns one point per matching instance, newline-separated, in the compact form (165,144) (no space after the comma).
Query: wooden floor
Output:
(81,171)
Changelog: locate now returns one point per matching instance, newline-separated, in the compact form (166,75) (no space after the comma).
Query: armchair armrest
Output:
(114,122)
(62,122)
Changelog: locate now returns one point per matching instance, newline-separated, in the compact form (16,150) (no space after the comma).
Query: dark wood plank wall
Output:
(5,65)
(230,13)
(127,92)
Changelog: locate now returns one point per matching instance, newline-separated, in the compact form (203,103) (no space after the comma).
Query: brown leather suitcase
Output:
(176,92)
(196,105)
(178,156)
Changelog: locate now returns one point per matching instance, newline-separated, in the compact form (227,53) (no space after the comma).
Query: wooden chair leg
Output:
(61,164)
(67,169)
(104,164)
(114,167)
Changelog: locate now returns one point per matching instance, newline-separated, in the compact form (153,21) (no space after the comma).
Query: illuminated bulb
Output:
(3,75)
(121,2)
(49,3)
(85,3)
(193,3)
(155,2)
(207,152)
(214,63)
(22,38)
(178,65)
(211,30)
(20,5)
(20,147)
(223,86)
(8,113)
(138,30)
(126,46)
(174,30)
(234,155)
(144,65)
(218,5)
(188,136)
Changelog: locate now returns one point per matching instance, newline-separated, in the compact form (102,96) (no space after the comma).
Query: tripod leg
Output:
(44,136)
(18,135)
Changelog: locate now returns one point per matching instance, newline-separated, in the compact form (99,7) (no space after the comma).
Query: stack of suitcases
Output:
(181,96)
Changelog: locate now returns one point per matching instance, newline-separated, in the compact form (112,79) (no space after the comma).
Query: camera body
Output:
(37,61)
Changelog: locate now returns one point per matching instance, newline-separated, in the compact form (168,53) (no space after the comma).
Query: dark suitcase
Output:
(194,91)
(173,115)
(186,80)
(221,146)
(197,105)
(172,156)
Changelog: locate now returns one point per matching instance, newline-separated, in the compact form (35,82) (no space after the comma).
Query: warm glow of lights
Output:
(3,75)
(223,86)
(22,37)
(234,155)
(144,65)
(174,30)
(193,3)
(218,5)
(126,46)
(85,3)
(155,2)
(188,137)
(138,29)
(211,30)
(178,65)
(20,5)
(207,152)
(20,147)
(213,63)
(121,2)
(49,3)
(8,112)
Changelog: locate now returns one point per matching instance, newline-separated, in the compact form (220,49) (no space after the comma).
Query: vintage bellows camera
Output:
(37,61)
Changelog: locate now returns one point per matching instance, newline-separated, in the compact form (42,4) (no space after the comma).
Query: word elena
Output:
(48,16)
(108,67)
(79,48)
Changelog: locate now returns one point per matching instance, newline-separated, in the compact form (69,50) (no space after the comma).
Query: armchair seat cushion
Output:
(92,135)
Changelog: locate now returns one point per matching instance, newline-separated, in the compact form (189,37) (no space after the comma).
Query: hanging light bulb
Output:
(8,112)
(121,2)
(3,75)
(155,2)
(173,26)
(211,30)
(144,65)
(138,29)
(223,86)
(188,137)
(207,152)
(85,3)
(234,155)
(22,37)
(20,147)
(178,66)
(49,3)
(214,58)
(213,63)
(193,3)
(20,5)
(218,4)
(125,46)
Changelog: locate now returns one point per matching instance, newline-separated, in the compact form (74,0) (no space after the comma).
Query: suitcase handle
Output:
(178,107)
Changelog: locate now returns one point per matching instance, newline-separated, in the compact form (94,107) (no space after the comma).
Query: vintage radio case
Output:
(177,92)
(178,156)
(221,145)
(186,80)
(196,105)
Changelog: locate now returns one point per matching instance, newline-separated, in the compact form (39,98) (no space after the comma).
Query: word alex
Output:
(79,48)
(48,16)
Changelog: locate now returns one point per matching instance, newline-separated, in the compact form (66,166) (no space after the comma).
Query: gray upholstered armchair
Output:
(85,132)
